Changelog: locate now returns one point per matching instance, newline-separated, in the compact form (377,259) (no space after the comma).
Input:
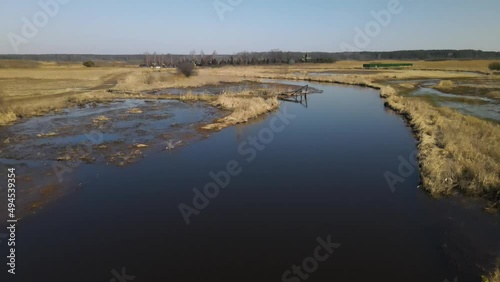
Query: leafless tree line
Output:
(274,56)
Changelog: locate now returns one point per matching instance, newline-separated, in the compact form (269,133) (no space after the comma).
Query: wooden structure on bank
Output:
(296,96)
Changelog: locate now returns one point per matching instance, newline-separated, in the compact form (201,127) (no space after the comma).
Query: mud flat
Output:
(48,150)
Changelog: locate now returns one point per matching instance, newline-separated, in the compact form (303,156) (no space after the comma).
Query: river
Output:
(308,186)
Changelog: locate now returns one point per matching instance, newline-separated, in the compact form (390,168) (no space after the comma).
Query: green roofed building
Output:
(368,66)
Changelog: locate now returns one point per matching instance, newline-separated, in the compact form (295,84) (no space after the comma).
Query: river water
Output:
(301,177)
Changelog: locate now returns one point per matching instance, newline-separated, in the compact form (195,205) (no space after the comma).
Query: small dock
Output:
(296,96)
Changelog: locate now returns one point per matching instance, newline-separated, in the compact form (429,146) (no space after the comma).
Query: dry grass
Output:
(100,119)
(448,65)
(302,72)
(12,111)
(83,99)
(17,64)
(189,96)
(243,109)
(457,152)
(495,94)
(28,89)
(147,79)
(134,111)
(6,115)
(445,84)
(63,73)
(494,277)
(50,80)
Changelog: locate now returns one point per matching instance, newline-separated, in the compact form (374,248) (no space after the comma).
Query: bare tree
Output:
(147,59)
(213,60)
(276,56)
(202,58)
(245,57)
(171,60)
(192,54)
(162,60)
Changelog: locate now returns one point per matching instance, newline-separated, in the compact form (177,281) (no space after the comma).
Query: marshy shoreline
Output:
(457,153)
(463,159)
(446,168)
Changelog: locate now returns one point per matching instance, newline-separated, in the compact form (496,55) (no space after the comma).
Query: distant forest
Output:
(260,58)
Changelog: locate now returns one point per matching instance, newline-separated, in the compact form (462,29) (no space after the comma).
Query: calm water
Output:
(488,108)
(322,175)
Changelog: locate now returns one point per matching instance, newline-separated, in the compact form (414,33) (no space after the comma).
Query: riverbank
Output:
(458,153)
(344,154)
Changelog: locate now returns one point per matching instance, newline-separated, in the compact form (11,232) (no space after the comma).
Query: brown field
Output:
(458,153)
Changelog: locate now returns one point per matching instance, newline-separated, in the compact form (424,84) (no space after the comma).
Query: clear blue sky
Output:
(131,27)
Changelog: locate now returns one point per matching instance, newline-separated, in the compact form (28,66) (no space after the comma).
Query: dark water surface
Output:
(321,176)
